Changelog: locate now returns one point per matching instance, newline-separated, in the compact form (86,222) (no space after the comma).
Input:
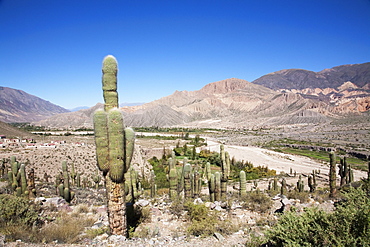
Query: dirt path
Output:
(279,161)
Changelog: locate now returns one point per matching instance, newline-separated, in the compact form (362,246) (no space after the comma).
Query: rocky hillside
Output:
(284,97)
(358,74)
(12,132)
(19,106)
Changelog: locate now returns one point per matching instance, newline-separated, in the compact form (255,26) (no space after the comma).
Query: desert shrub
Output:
(159,169)
(17,211)
(65,229)
(348,225)
(177,207)
(301,196)
(92,233)
(205,222)
(82,208)
(257,201)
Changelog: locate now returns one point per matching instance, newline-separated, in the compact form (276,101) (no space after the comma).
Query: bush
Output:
(16,211)
(65,229)
(348,225)
(257,201)
(205,222)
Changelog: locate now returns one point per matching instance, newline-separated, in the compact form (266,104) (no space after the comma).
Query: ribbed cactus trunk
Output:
(114,148)
(332,175)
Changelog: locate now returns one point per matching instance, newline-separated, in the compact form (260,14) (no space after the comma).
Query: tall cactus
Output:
(187,181)
(312,182)
(283,188)
(217,186)
(96,178)
(64,186)
(343,171)
(173,183)
(242,184)
(211,187)
(332,175)
(114,148)
(300,184)
(225,172)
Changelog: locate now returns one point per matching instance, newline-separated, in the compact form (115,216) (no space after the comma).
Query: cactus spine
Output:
(332,175)
(114,148)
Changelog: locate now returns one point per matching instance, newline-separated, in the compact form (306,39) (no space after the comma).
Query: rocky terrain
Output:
(165,224)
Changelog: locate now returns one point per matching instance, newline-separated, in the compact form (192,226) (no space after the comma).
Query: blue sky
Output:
(54,48)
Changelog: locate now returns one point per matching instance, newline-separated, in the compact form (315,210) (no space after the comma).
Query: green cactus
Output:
(17,178)
(312,182)
(208,171)
(132,185)
(332,175)
(343,171)
(78,180)
(211,187)
(31,183)
(153,190)
(96,178)
(85,182)
(283,188)
(114,148)
(197,184)
(275,184)
(187,181)
(217,186)
(173,183)
(242,184)
(64,186)
(300,184)
(73,175)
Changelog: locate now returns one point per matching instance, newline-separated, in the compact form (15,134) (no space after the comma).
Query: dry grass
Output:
(65,229)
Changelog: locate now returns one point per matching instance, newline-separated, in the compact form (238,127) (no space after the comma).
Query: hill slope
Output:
(358,74)
(19,106)
(12,132)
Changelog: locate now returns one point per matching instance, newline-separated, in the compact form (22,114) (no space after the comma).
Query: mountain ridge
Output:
(19,106)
